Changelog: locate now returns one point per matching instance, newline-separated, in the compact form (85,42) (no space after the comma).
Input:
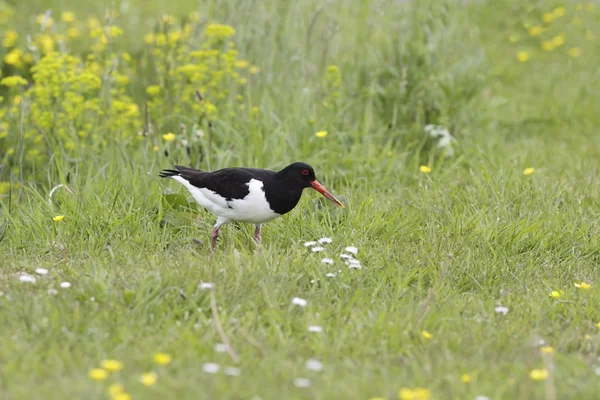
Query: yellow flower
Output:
(115,389)
(547,349)
(555,294)
(112,365)
(414,394)
(376,398)
(589,6)
(598,324)
(155,148)
(539,374)
(558,11)
(536,30)
(122,396)
(575,52)
(254,70)
(149,378)
(558,40)
(149,38)
(194,16)
(10,38)
(163,358)
(425,169)
(241,64)
(523,56)
(93,23)
(98,374)
(528,171)
(73,32)
(58,218)
(587,336)
(589,35)
(13,57)
(114,31)
(548,17)
(465,378)
(168,137)
(321,134)
(513,38)
(67,16)
(41,19)
(153,90)
(583,285)
(548,45)
(426,335)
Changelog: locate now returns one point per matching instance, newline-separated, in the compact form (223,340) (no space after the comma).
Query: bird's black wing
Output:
(230,183)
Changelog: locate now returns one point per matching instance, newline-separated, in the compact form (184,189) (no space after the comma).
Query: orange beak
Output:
(321,189)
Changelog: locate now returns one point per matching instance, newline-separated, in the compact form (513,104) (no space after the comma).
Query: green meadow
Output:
(461,136)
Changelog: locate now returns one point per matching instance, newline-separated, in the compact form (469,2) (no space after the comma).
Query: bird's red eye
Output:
(304,172)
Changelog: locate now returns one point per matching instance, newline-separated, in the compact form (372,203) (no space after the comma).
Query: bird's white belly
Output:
(253,208)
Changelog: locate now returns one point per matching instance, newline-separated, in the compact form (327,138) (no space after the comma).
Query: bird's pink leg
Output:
(215,235)
(257,234)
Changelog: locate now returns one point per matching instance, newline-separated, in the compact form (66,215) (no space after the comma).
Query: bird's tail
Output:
(168,173)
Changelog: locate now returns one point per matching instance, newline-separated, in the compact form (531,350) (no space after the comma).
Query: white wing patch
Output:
(253,208)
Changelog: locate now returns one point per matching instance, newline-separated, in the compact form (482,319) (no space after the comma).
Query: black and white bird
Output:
(248,195)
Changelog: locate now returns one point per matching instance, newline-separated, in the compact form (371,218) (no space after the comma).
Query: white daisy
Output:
(351,249)
(41,271)
(317,249)
(313,365)
(308,244)
(328,261)
(330,275)
(315,329)
(348,256)
(206,286)
(297,301)
(210,368)
(27,278)
(325,240)
(65,285)
(220,348)
(302,382)
(52,292)
(501,310)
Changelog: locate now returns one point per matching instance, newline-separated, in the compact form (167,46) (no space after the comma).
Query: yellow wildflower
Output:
(587,336)
(589,6)
(321,134)
(98,374)
(548,45)
(73,32)
(528,171)
(149,378)
(58,218)
(115,389)
(425,169)
(547,349)
(93,23)
(535,30)
(548,17)
(558,12)
(149,38)
(122,396)
(522,56)
(163,358)
(539,374)
(558,40)
(168,137)
(68,16)
(112,365)
(43,19)
(114,31)
(465,378)
(241,64)
(575,52)
(583,285)
(10,38)
(555,294)
(194,16)
(589,35)
(153,90)
(219,31)
(426,335)
(13,57)
(12,81)
(414,394)
(254,70)
(155,148)
(598,324)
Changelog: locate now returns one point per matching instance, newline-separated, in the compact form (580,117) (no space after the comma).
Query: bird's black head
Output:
(302,176)
(298,174)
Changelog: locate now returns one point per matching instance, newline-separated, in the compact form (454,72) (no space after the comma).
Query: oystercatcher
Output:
(248,194)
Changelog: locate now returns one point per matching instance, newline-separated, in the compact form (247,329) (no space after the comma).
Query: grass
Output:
(439,251)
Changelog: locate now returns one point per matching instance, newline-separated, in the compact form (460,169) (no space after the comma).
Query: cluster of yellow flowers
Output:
(116,390)
(68,90)
(547,31)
